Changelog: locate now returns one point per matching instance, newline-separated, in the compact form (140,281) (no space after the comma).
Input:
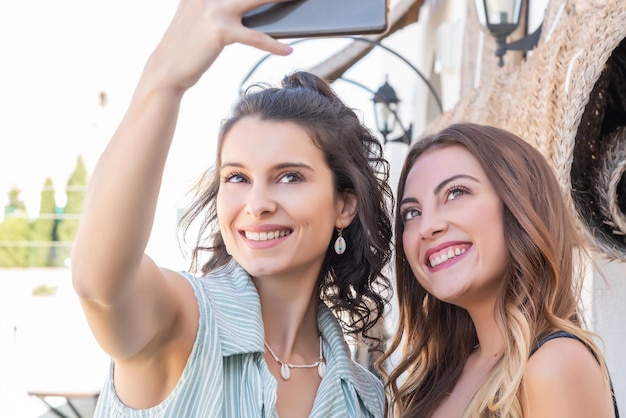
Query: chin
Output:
(260,268)
(452,300)
(451,296)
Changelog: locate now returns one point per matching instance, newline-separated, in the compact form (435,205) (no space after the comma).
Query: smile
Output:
(266,236)
(443,256)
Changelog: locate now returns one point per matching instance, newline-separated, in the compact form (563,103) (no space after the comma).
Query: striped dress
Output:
(226,374)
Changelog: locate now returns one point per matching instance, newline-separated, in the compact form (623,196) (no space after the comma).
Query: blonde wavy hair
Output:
(541,293)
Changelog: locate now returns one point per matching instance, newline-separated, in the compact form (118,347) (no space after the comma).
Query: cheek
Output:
(494,223)
(418,270)
(500,252)
(410,239)
(225,204)
(219,205)
(410,242)
(316,206)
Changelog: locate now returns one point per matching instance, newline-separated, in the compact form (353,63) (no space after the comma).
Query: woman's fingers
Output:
(198,33)
(264,42)
(237,32)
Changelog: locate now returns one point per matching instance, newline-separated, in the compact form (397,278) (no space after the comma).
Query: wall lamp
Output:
(501,18)
(386,103)
(385,110)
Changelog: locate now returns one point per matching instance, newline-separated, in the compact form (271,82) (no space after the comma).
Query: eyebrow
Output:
(280,166)
(440,186)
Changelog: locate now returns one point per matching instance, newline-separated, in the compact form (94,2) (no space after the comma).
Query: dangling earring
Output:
(340,242)
(227,250)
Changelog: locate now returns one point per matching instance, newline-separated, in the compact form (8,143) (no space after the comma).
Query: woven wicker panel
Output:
(605,216)
(568,99)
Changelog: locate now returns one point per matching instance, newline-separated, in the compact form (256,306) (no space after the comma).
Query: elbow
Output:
(82,279)
(101,279)
(90,280)
(81,268)
(78,273)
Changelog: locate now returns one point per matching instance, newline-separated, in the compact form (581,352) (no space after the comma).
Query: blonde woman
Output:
(487,284)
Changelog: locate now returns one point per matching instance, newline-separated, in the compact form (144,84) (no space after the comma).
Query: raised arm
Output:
(134,307)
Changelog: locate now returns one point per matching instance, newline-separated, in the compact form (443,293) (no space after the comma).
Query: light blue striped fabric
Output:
(226,374)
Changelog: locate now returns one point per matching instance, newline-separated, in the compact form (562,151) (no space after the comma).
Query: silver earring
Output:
(227,250)
(340,242)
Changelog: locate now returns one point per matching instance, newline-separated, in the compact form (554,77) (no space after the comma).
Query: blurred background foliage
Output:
(46,240)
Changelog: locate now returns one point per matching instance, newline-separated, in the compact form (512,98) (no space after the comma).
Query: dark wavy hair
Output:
(541,292)
(352,284)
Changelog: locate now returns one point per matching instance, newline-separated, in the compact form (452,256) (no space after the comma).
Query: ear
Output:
(347,207)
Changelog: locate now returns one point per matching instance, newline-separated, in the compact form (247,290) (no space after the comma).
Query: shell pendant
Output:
(340,245)
(321,369)
(285,373)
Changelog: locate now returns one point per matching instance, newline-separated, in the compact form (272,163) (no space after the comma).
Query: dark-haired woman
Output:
(294,224)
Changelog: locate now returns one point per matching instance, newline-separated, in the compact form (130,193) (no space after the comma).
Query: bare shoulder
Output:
(563,379)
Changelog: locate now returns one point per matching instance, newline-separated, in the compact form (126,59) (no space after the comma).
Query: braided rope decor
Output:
(568,99)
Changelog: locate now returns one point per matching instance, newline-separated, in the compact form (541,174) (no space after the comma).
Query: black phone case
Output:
(311,18)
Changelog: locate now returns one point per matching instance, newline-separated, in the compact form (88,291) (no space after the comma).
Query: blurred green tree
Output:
(42,251)
(45,242)
(14,232)
(68,225)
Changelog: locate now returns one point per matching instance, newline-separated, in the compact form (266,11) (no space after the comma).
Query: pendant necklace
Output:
(285,368)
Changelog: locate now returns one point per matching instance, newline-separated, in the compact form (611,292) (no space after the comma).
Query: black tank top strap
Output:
(556,334)
(565,334)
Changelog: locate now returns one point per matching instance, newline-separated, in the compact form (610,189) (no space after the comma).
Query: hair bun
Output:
(303,79)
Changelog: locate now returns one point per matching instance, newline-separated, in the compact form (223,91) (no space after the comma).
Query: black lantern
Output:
(385,109)
(386,114)
(501,18)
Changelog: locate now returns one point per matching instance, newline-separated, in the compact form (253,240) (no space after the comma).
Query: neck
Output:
(289,310)
(291,327)
(490,340)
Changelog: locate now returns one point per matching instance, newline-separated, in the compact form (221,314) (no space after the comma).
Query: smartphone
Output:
(313,18)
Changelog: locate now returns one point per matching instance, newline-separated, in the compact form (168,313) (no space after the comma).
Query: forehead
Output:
(438,164)
(258,140)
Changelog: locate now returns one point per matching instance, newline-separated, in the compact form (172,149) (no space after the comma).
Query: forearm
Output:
(122,195)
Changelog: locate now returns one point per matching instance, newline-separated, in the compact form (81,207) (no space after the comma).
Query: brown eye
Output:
(291,177)
(456,192)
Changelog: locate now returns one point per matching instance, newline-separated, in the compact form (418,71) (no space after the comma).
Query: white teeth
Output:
(265,236)
(442,258)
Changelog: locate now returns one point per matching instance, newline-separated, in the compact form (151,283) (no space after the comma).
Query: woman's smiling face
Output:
(453,227)
(276,204)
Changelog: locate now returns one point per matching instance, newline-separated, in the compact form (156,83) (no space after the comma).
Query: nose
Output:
(432,225)
(260,201)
